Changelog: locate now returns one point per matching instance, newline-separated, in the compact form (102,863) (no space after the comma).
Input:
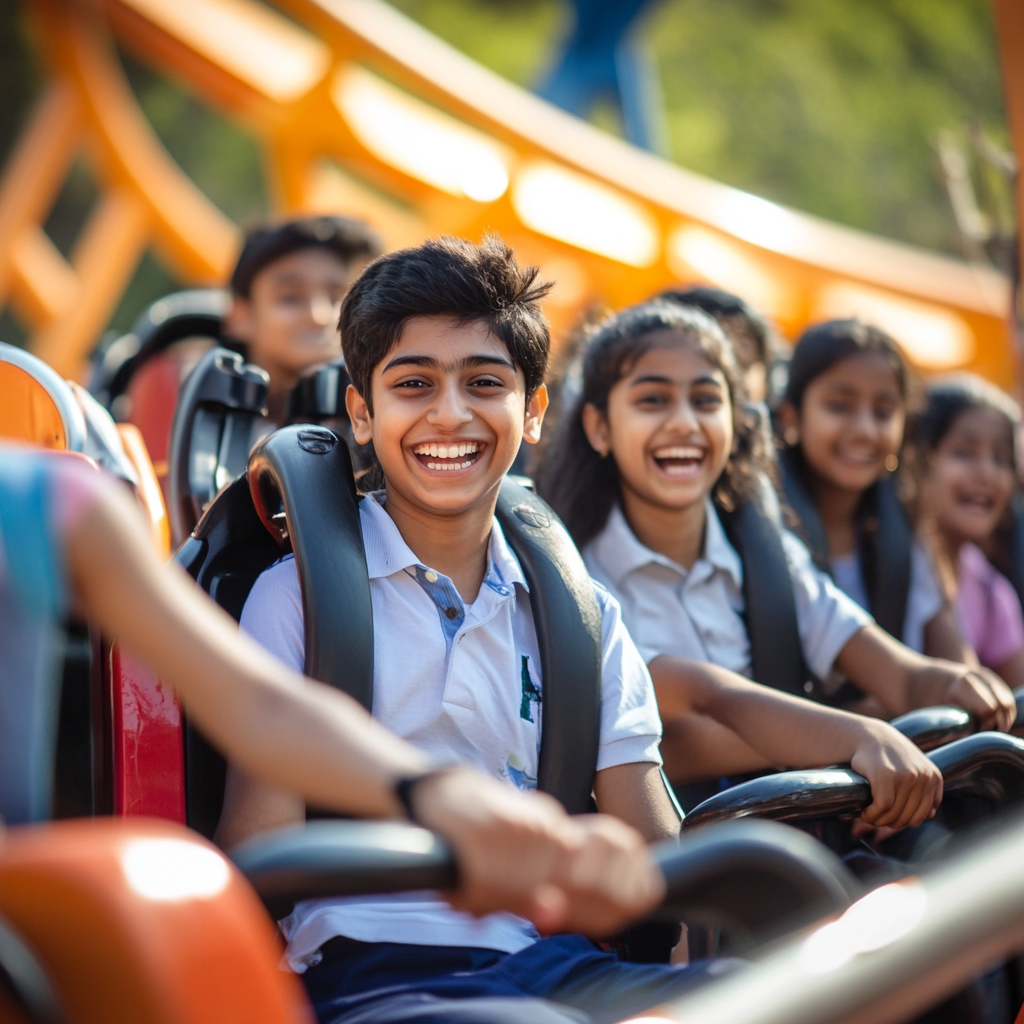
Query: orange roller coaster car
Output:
(360,110)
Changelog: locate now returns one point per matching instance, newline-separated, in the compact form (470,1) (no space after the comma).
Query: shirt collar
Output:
(620,552)
(388,553)
(717,549)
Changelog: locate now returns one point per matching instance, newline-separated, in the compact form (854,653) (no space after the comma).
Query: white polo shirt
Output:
(699,614)
(460,683)
(924,598)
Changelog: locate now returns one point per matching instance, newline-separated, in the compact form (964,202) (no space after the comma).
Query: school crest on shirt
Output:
(530,694)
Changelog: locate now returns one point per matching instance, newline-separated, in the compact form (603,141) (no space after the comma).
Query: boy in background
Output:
(287,289)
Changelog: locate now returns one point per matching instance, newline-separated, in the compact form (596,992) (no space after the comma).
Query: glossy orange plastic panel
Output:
(144,922)
(149,767)
(27,412)
(150,494)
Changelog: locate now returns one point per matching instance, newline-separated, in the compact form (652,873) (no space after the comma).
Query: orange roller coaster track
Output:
(359,110)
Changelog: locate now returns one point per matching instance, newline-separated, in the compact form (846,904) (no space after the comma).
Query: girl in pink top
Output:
(964,445)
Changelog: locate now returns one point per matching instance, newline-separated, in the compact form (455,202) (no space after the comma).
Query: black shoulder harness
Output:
(776,654)
(302,487)
(885,544)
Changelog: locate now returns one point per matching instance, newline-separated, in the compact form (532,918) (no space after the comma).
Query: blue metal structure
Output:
(603,59)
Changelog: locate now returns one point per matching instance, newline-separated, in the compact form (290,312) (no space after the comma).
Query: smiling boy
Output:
(447,348)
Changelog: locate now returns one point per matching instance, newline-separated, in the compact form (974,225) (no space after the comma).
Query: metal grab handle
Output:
(787,796)
(757,878)
(991,763)
(894,954)
(343,858)
(930,728)
(988,762)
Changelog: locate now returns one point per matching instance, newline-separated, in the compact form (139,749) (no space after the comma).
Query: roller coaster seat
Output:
(140,921)
(300,495)
(46,411)
(143,378)
(137,376)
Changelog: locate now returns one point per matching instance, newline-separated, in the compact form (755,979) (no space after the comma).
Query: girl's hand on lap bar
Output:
(981,692)
(906,788)
(521,852)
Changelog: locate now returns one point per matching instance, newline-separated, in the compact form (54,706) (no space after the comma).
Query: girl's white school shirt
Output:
(924,598)
(463,684)
(698,614)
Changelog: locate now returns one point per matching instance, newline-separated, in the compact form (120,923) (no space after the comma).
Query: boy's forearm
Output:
(787,731)
(635,794)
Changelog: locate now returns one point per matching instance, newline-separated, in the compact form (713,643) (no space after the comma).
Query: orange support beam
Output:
(361,111)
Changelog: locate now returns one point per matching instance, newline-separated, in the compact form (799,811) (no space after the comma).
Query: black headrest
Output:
(212,432)
(197,312)
(301,483)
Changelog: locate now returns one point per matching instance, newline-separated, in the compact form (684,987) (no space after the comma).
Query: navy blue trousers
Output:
(561,980)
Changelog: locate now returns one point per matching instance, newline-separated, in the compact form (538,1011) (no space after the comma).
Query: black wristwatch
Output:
(404,788)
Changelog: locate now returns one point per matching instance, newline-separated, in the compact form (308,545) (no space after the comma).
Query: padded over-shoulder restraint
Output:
(886,541)
(300,479)
(301,483)
(212,432)
(568,623)
(776,654)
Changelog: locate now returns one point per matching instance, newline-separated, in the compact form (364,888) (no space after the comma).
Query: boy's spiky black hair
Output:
(347,237)
(447,277)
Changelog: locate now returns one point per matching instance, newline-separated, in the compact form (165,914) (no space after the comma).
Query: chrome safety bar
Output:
(892,954)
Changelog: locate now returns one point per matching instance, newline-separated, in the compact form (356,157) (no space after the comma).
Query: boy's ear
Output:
(595,426)
(239,323)
(359,416)
(535,409)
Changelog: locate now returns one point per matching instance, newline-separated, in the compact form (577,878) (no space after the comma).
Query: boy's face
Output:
(449,413)
(290,318)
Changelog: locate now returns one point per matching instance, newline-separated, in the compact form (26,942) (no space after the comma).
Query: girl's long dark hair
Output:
(820,347)
(583,487)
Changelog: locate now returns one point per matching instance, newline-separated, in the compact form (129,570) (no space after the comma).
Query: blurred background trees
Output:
(835,108)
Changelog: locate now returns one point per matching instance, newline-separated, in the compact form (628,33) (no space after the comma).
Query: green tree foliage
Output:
(830,106)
